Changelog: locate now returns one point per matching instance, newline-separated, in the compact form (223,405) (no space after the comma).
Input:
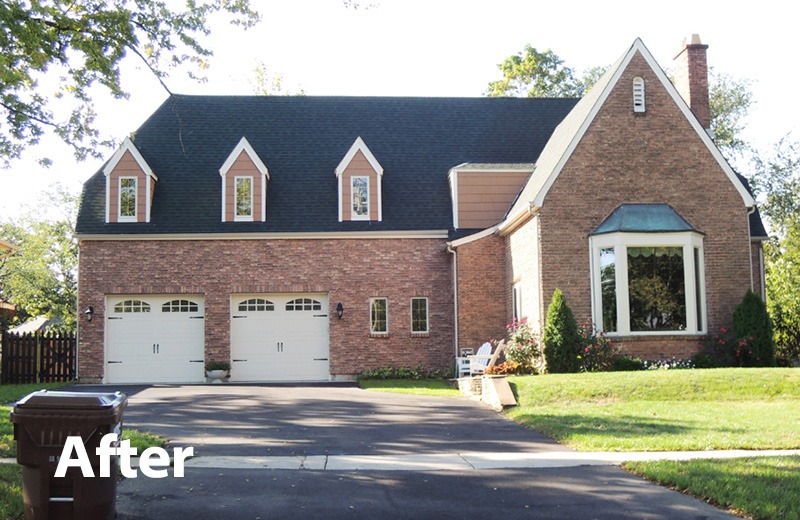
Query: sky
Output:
(442,48)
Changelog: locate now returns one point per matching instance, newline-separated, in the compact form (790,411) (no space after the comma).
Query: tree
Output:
(41,277)
(751,323)
(531,73)
(271,84)
(730,100)
(776,179)
(77,44)
(560,337)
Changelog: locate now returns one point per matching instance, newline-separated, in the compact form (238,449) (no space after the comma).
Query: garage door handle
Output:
(320,315)
(321,359)
(238,317)
(196,361)
(112,362)
(114,318)
(238,360)
(197,317)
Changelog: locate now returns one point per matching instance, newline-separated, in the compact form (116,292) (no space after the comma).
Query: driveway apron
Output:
(326,423)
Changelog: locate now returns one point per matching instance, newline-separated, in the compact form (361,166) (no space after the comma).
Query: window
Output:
(244,198)
(419,315)
(648,283)
(256,305)
(304,304)
(179,306)
(379,316)
(127,198)
(360,198)
(132,306)
(638,95)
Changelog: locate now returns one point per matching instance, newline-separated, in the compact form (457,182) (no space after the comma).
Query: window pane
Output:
(378,321)
(698,294)
(608,289)
(244,197)
(656,288)
(127,197)
(419,315)
(360,196)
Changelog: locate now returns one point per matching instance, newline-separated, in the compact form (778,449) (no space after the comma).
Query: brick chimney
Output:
(691,78)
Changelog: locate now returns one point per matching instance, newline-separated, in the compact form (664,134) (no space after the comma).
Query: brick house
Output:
(312,238)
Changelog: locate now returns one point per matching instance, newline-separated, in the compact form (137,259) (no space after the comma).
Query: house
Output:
(312,238)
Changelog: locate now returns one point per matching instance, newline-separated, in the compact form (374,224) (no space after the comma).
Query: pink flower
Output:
(723,329)
(587,349)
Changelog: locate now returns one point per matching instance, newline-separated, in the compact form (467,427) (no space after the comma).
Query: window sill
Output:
(420,334)
(379,335)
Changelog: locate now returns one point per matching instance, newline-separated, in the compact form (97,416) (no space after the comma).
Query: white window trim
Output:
(639,106)
(371,325)
(135,216)
(619,241)
(516,300)
(427,316)
(353,214)
(243,218)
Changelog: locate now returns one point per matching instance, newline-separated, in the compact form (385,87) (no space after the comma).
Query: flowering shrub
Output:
(722,349)
(597,353)
(523,345)
(669,364)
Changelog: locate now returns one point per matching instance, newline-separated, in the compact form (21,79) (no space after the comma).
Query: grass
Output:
(765,488)
(664,410)
(429,387)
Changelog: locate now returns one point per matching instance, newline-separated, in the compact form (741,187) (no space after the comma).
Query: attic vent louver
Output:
(638,95)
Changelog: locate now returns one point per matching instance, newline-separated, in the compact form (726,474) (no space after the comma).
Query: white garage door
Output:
(279,337)
(155,339)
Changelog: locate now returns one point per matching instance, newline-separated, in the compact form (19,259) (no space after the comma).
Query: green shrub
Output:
(417,373)
(722,349)
(626,363)
(786,332)
(561,339)
(522,348)
(751,322)
(596,353)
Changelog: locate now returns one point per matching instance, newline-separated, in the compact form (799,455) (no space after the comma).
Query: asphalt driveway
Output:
(280,422)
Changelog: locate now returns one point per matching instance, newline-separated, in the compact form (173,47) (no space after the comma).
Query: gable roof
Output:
(359,146)
(244,146)
(418,140)
(570,132)
(128,146)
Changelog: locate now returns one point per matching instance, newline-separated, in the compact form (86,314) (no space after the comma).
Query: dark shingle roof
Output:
(302,139)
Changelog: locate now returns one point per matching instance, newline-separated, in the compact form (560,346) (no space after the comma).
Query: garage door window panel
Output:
(179,306)
(256,305)
(304,304)
(128,306)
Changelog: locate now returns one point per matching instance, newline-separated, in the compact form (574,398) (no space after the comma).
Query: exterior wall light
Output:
(89,312)
(339,310)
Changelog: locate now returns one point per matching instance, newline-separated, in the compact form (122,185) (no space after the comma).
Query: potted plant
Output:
(217,370)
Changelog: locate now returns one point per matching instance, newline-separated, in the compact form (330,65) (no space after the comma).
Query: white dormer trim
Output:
(360,145)
(244,146)
(128,146)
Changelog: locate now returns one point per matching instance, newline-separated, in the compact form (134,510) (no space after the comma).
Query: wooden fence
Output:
(37,358)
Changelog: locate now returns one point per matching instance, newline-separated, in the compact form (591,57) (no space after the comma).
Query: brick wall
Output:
(483,292)
(757,249)
(350,271)
(522,265)
(654,157)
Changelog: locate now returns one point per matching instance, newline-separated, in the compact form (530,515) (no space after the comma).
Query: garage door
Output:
(155,339)
(279,337)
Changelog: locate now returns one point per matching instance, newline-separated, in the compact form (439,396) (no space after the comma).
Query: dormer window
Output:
(130,184)
(128,189)
(244,198)
(359,191)
(244,185)
(360,176)
(638,95)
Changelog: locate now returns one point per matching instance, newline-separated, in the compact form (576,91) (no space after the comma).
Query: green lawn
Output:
(430,387)
(664,410)
(765,488)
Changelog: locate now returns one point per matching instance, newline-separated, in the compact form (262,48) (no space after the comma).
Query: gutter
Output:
(450,249)
(510,224)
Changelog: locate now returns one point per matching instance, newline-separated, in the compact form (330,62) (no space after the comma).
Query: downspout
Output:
(750,211)
(455,297)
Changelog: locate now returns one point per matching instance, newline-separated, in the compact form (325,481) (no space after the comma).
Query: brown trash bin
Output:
(42,422)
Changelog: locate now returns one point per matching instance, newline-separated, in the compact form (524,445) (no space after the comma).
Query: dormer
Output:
(359,175)
(130,183)
(244,185)
(483,193)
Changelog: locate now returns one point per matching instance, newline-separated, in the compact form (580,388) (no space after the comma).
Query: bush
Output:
(722,349)
(523,346)
(561,338)
(626,363)
(786,332)
(405,373)
(597,353)
(751,321)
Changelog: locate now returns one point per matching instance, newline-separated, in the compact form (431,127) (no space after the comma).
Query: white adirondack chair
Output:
(484,358)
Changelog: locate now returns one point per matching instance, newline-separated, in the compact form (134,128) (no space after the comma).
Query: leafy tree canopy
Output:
(40,278)
(73,45)
(730,100)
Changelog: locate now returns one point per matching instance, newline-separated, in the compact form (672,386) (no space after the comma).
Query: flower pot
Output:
(216,376)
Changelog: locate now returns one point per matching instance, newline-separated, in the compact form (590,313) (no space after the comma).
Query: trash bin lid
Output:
(46,399)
